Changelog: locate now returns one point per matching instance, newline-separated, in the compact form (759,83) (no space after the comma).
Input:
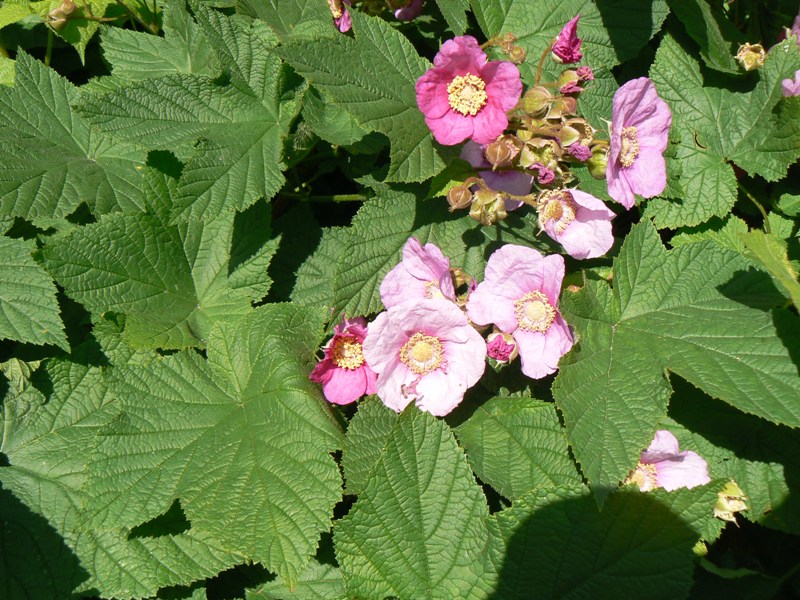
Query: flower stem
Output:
(49,51)
(760,208)
(540,66)
(326,198)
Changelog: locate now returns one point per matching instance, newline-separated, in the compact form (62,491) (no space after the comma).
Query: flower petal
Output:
(687,470)
(503,83)
(663,446)
(451,128)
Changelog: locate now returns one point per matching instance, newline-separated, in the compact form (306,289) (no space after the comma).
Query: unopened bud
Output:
(730,500)
(488,207)
(536,101)
(566,105)
(517,54)
(509,38)
(459,197)
(502,347)
(58,17)
(502,151)
(598,161)
(751,56)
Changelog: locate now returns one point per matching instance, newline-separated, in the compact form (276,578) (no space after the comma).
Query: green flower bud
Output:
(566,105)
(536,101)
(458,197)
(598,162)
(517,54)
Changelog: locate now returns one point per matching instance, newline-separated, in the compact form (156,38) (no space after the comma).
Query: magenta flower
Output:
(544,175)
(520,295)
(423,273)
(409,10)
(585,73)
(579,151)
(663,466)
(639,136)
(791,88)
(343,373)
(501,347)
(511,182)
(578,221)
(465,97)
(341,16)
(424,352)
(567,48)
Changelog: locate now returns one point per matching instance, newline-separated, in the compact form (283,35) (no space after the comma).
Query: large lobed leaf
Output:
(687,311)
(243,440)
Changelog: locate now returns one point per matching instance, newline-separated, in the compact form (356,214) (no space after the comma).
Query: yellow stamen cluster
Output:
(466,94)
(629,146)
(644,475)
(534,312)
(422,353)
(558,206)
(347,353)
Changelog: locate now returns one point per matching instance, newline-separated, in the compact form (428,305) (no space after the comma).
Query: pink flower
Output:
(578,221)
(567,48)
(343,373)
(639,136)
(585,73)
(409,10)
(519,295)
(425,352)
(663,466)
(544,175)
(579,151)
(341,16)
(789,87)
(423,273)
(573,87)
(512,182)
(465,97)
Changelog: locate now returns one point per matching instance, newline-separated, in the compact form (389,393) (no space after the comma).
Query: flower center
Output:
(347,353)
(644,475)
(422,353)
(466,94)
(559,207)
(534,312)
(337,10)
(629,146)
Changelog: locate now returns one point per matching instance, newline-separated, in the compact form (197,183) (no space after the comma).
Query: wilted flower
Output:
(544,175)
(511,182)
(567,48)
(585,73)
(663,466)
(730,500)
(341,16)
(407,9)
(751,56)
(423,273)
(425,352)
(343,373)
(465,97)
(578,221)
(520,296)
(791,88)
(580,151)
(639,136)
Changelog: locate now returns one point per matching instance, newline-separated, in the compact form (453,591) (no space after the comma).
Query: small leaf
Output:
(770,252)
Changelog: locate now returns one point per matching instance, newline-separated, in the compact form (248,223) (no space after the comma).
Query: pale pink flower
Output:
(423,273)
(578,221)
(408,9)
(465,97)
(663,466)
(639,135)
(520,296)
(343,373)
(511,182)
(567,48)
(791,88)
(424,352)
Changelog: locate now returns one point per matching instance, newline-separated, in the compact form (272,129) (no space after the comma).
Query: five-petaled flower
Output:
(576,220)
(662,465)
(344,373)
(567,47)
(424,352)
(639,135)
(520,295)
(424,273)
(465,97)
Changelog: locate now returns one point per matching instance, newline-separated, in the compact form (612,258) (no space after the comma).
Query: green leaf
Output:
(455,13)
(319,581)
(7,71)
(770,252)
(46,442)
(242,124)
(314,285)
(172,282)
(516,445)
(28,307)
(667,311)
(243,440)
(367,435)
(558,544)
(789,204)
(330,121)
(52,161)
(712,31)
(291,19)
(724,232)
(372,76)
(753,127)
(419,528)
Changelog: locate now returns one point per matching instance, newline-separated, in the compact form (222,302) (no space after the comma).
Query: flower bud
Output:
(459,197)
(598,162)
(58,17)
(566,105)
(751,56)
(502,151)
(502,347)
(517,54)
(488,207)
(536,101)
(567,80)
(730,500)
